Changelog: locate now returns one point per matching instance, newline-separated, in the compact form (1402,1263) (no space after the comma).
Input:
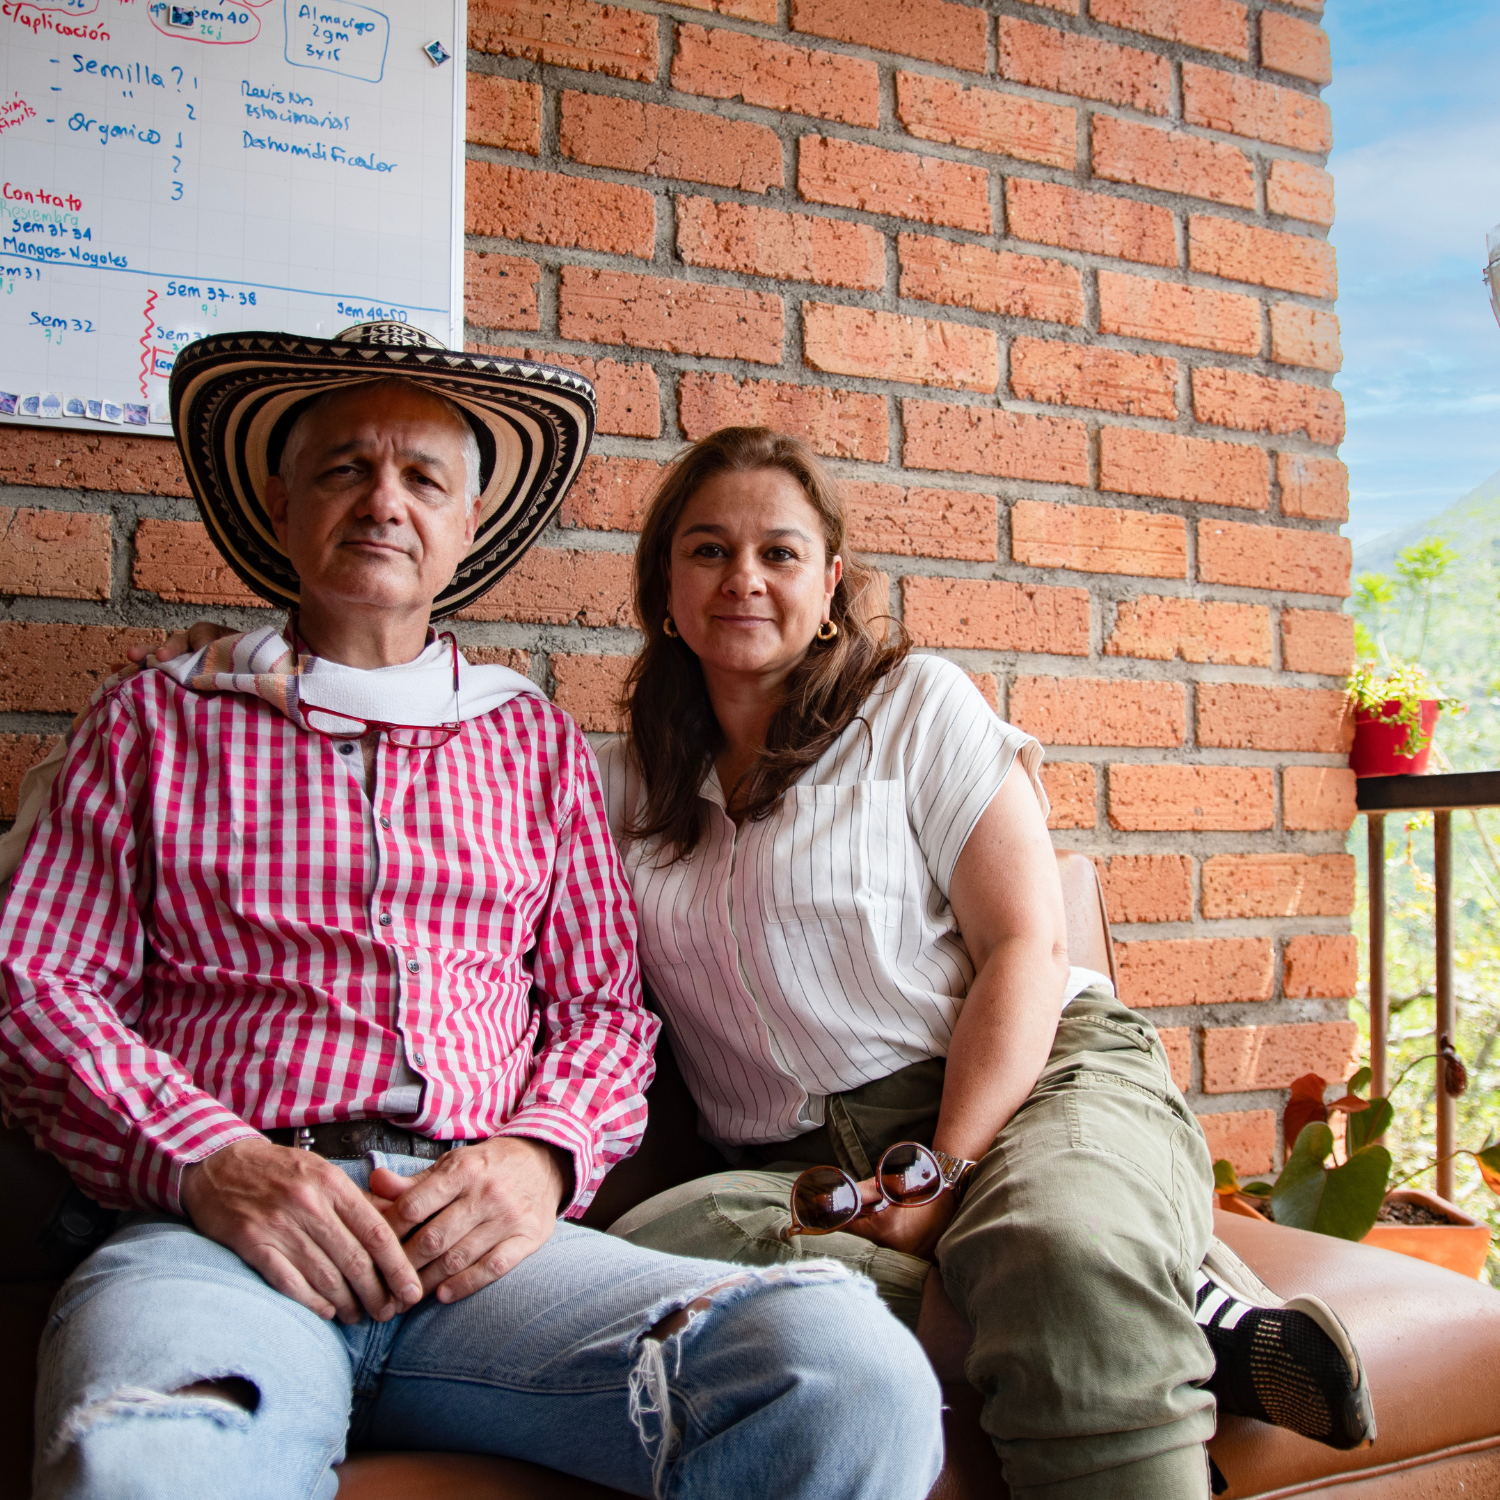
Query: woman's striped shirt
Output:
(815,950)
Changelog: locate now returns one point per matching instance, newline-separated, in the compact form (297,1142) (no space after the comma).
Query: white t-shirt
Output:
(816,950)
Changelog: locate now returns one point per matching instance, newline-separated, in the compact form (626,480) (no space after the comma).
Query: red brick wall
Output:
(1048,282)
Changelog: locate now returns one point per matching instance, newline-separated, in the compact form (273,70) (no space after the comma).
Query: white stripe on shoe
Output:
(1210,1305)
(1216,1308)
(1236,1311)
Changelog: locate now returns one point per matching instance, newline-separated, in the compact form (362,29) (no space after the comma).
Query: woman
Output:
(850,915)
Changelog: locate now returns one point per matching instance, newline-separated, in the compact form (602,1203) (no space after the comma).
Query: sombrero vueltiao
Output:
(235,396)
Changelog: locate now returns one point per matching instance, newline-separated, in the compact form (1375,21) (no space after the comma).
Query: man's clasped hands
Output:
(341,1252)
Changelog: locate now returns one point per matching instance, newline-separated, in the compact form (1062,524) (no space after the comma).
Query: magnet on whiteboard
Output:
(437,52)
(161,414)
(136,414)
(95,411)
(74,407)
(112,412)
(51,405)
(179,15)
(29,405)
(8,403)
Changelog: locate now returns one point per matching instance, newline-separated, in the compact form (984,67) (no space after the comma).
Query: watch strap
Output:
(957,1171)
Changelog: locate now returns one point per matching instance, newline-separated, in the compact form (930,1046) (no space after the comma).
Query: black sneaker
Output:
(1290,1363)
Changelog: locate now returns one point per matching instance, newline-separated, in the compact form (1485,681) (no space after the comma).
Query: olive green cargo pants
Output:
(1073,1255)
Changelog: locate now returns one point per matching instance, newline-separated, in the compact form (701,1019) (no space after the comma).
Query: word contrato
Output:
(13,194)
(38,21)
(317,152)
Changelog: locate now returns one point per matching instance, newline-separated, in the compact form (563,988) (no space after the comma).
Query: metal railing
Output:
(1442,796)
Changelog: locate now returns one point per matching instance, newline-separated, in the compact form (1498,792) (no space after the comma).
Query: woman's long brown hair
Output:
(674,734)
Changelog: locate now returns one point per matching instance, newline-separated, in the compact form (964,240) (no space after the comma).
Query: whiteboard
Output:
(170,171)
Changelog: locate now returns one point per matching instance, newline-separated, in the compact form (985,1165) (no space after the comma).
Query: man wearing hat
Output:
(322,965)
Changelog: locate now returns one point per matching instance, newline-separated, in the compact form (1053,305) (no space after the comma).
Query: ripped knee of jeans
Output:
(227,1401)
(650,1391)
(650,1395)
(675,1322)
(235,1388)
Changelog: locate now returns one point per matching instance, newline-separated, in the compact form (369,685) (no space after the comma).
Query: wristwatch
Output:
(956,1172)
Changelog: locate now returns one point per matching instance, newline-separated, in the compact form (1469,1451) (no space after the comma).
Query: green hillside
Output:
(1478,510)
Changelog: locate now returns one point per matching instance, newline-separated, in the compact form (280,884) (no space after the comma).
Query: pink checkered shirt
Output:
(215,931)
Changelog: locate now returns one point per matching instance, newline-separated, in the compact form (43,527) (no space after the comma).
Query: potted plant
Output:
(1420,1224)
(1351,1198)
(1396,707)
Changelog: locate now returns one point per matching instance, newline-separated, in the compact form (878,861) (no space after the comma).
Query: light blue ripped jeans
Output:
(787,1381)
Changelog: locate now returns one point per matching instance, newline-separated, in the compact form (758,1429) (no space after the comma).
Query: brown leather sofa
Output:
(1430,1340)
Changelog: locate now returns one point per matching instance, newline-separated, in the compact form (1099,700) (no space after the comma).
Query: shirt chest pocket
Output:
(838,854)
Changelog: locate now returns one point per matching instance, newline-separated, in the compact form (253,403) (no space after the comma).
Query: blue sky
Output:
(1416,165)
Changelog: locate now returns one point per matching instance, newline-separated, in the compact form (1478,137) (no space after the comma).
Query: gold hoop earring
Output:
(827,630)
(668,628)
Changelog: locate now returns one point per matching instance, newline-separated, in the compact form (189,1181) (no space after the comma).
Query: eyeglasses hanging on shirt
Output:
(333,725)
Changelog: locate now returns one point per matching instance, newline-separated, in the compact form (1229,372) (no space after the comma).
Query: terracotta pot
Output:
(1242,1204)
(1460,1245)
(1376,742)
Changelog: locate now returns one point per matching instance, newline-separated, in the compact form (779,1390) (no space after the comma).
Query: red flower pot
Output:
(1377,744)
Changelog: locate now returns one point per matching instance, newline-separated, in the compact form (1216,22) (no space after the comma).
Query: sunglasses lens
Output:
(909,1175)
(823,1198)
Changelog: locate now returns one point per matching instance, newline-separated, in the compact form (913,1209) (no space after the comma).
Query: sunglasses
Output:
(404,736)
(908,1176)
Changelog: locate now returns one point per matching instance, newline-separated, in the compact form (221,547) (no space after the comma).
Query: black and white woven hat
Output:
(235,396)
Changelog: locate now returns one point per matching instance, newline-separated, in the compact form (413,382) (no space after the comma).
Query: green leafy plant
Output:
(1374,594)
(1317,1191)
(1422,567)
(1373,684)
(1421,570)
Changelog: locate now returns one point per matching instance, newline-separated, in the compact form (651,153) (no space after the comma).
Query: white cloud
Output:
(1421,196)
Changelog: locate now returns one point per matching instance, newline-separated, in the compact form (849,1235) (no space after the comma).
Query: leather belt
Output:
(348,1140)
